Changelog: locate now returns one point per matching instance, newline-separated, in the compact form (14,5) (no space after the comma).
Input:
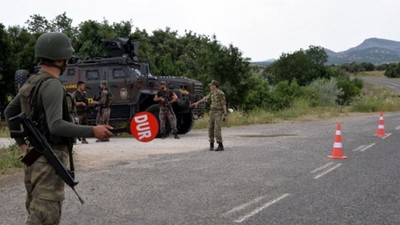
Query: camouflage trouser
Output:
(103,116)
(45,190)
(214,125)
(165,114)
(83,118)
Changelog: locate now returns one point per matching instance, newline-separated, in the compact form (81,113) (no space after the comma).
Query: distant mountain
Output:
(264,63)
(372,50)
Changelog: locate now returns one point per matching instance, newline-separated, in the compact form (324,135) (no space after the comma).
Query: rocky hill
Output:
(372,50)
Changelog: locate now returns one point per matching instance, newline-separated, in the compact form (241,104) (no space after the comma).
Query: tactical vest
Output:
(81,97)
(166,95)
(32,106)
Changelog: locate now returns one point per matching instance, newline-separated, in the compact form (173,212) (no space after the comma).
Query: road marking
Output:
(266,205)
(387,135)
(397,128)
(367,147)
(238,208)
(322,167)
(328,171)
(358,148)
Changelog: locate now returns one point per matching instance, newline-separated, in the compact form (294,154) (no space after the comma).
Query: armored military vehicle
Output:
(132,85)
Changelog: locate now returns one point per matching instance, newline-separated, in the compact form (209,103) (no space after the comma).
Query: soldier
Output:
(82,106)
(165,98)
(103,115)
(43,99)
(217,112)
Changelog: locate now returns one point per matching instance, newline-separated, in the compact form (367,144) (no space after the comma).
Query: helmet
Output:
(53,46)
(163,83)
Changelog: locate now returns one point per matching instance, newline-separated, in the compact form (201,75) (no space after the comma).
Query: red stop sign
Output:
(144,126)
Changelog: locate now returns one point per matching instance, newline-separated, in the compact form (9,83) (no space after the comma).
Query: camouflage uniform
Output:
(166,112)
(103,116)
(216,114)
(82,111)
(45,189)
(43,99)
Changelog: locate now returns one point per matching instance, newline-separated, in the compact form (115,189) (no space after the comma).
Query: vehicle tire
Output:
(185,123)
(20,77)
(155,110)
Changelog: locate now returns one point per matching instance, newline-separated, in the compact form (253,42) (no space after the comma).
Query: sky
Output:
(260,29)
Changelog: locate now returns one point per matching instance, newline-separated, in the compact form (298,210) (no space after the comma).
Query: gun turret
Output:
(122,47)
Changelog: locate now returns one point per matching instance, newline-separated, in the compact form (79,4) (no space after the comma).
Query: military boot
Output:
(220,147)
(176,135)
(211,146)
(162,136)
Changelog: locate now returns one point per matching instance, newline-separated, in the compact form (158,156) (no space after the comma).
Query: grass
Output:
(300,111)
(371,74)
(4,130)
(9,159)
(375,98)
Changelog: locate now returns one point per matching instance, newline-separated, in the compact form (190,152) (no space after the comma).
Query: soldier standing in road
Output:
(43,99)
(81,106)
(103,116)
(217,112)
(165,99)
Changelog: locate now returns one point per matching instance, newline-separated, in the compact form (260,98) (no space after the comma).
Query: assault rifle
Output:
(166,101)
(42,147)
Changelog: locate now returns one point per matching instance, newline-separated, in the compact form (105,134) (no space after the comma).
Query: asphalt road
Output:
(392,83)
(268,174)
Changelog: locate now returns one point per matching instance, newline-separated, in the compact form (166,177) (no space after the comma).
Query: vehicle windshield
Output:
(137,72)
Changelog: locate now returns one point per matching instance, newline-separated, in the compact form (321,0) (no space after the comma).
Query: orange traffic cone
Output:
(337,151)
(380,132)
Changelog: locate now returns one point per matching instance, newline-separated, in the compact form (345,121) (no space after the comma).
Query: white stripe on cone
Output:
(337,145)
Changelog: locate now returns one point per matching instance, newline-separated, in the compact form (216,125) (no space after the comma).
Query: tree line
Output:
(297,75)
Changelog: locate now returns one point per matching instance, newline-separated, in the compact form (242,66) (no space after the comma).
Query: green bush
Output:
(284,94)
(258,95)
(327,91)
(351,89)
(393,70)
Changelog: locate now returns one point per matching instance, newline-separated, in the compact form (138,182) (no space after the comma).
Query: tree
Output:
(62,24)
(368,66)
(88,42)
(6,65)
(38,24)
(304,66)
(393,70)
(23,45)
(318,55)
(194,56)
